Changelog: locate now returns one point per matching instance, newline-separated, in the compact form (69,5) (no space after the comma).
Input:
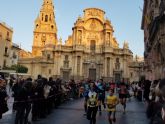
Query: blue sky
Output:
(125,16)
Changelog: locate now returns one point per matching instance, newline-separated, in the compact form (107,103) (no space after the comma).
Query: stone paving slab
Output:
(72,113)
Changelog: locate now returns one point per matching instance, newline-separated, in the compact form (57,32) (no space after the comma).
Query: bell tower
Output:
(45,30)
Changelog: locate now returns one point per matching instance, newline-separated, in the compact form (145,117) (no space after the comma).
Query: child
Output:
(111,101)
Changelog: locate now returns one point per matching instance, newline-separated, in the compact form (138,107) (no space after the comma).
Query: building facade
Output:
(6,33)
(91,51)
(9,51)
(14,54)
(153,24)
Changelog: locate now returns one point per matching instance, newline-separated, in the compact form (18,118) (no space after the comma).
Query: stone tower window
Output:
(52,26)
(36,25)
(46,18)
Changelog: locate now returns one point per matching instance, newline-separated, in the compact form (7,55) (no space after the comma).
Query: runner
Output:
(92,104)
(111,101)
(101,94)
(112,86)
(123,95)
(85,94)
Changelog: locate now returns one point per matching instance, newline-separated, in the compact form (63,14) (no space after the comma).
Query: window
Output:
(14,55)
(46,18)
(93,46)
(8,36)
(4,63)
(48,56)
(52,26)
(36,25)
(66,57)
(6,50)
(50,71)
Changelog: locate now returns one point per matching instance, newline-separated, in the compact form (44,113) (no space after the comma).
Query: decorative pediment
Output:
(93,25)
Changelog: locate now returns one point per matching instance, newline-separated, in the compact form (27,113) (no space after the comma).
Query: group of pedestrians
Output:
(36,97)
(98,94)
(3,97)
(154,95)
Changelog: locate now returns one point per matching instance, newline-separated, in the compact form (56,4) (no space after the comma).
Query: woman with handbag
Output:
(3,98)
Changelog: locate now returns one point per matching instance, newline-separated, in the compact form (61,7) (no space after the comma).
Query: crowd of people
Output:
(39,97)
(99,93)
(154,94)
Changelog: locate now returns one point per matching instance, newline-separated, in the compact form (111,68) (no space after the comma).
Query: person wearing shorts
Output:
(111,101)
(123,95)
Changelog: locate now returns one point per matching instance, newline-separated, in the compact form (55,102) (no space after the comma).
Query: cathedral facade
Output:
(91,51)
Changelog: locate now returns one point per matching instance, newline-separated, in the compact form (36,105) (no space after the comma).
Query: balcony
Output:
(78,48)
(8,38)
(6,54)
(66,68)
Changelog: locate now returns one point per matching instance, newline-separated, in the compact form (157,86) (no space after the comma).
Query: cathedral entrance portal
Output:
(92,73)
(66,75)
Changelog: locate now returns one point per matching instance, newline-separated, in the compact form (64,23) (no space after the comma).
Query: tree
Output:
(20,68)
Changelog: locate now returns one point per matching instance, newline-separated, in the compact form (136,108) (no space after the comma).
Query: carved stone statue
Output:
(79,37)
(125,45)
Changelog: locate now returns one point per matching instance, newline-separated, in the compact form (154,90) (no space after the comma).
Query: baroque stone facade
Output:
(153,24)
(90,52)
